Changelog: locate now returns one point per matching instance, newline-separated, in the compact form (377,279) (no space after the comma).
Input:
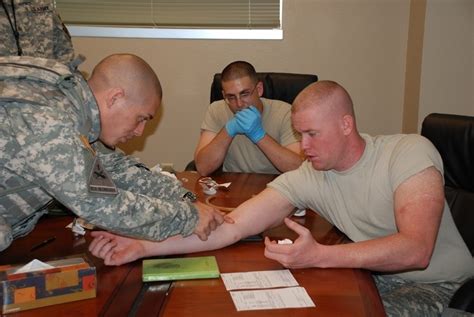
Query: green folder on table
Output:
(180,268)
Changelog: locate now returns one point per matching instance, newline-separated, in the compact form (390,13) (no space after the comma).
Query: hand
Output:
(209,219)
(250,120)
(114,249)
(232,127)
(302,253)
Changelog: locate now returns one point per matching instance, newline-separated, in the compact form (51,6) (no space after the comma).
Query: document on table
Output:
(258,279)
(290,297)
(287,297)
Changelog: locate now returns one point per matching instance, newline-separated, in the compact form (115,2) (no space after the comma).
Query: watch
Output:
(190,197)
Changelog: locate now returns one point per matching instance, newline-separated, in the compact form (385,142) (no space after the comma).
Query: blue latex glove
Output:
(250,120)
(232,127)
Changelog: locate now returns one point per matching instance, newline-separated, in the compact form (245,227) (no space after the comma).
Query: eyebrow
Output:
(147,117)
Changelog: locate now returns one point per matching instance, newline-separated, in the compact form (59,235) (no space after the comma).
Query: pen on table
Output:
(42,243)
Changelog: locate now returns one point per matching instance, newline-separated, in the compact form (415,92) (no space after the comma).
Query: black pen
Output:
(42,243)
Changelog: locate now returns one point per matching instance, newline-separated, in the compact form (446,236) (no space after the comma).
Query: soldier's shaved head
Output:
(128,72)
(325,95)
(128,94)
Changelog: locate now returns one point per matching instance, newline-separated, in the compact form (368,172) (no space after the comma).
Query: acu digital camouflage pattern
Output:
(41,31)
(402,298)
(43,157)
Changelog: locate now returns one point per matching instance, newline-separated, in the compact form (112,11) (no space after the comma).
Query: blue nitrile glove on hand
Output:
(250,120)
(232,127)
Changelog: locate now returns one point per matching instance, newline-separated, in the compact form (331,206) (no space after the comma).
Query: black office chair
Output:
(453,136)
(279,86)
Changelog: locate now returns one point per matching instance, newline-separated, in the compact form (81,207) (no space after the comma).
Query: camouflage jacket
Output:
(43,156)
(41,32)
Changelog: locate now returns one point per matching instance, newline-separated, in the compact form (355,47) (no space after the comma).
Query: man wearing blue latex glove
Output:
(245,132)
(250,120)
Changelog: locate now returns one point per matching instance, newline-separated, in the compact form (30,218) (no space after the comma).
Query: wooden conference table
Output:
(120,291)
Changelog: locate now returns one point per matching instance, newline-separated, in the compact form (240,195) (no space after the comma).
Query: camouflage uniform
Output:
(43,157)
(41,32)
(405,298)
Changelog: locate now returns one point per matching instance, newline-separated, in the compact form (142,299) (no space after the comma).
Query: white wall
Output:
(359,43)
(447,80)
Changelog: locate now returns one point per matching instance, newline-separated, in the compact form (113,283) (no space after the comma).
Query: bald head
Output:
(327,97)
(128,72)
(323,113)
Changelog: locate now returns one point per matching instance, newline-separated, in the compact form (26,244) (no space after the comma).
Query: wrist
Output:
(147,248)
(257,136)
(230,128)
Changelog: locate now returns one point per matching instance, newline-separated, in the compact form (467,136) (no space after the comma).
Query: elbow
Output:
(294,165)
(424,260)
(201,169)
(421,258)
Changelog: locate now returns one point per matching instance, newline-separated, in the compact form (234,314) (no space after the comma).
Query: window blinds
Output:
(241,14)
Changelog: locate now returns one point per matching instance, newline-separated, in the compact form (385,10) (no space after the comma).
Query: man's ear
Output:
(260,88)
(347,124)
(113,96)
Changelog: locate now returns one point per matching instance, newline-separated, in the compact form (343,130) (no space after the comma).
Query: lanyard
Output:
(13,26)
(86,143)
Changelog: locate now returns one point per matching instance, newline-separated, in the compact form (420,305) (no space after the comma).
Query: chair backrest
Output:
(280,86)
(453,136)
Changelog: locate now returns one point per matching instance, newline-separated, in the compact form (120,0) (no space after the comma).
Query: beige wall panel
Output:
(359,43)
(447,81)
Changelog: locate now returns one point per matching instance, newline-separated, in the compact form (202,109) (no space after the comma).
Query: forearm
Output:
(281,157)
(223,236)
(269,208)
(129,174)
(137,215)
(212,155)
(388,254)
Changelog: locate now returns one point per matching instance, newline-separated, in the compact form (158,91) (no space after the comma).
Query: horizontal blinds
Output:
(174,14)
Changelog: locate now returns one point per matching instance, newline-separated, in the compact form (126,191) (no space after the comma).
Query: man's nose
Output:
(239,102)
(304,142)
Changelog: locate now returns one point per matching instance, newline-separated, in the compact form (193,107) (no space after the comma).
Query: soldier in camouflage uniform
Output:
(56,135)
(33,28)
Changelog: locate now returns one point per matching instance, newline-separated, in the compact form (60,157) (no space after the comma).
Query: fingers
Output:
(245,116)
(209,219)
(255,111)
(202,235)
(218,218)
(274,247)
(228,219)
(99,237)
(268,241)
(102,247)
(296,227)
(276,252)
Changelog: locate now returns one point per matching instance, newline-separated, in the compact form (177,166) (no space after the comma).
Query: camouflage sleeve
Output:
(147,206)
(128,172)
